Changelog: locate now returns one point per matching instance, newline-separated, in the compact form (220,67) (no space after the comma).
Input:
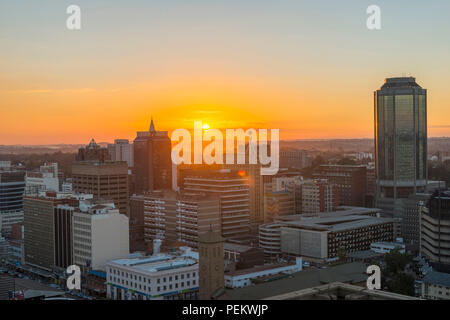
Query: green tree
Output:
(396,261)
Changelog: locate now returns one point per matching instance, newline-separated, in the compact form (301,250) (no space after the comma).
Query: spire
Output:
(152,126)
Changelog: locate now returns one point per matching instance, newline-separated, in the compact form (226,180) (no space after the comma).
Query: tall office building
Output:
(350,182)
(105,180)
(176,217)
(12,187)
(400,141)
(318,196)
(435,231)
(256,190)
(93,152)
(47,229)
(152,160)
(232,189)
(100,234)
(136,220)
(122,150)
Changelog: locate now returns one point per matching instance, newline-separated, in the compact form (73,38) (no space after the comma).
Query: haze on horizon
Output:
(308,68)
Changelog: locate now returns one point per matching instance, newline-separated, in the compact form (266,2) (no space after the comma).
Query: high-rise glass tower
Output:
(400,140)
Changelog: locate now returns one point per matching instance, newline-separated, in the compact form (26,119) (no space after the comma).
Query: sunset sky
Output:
(308,68)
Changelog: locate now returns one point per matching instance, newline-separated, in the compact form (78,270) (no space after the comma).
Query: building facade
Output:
(122,150)
(104,180)
(211,265)
(100,234)
(400,141)
(12,188)
(175,217)
(152,160)
(163,276)
(232,188)
(435,231)
(350,182)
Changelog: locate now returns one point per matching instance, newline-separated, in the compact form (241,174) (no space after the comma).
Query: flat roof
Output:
(437,278)
(348,273)
(159,262)
(335,223)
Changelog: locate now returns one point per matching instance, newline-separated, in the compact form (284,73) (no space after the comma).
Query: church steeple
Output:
(152,126)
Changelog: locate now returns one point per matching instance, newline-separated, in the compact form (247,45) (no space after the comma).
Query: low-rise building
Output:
(386,247)
(242,256)
(320,237)
(436,286)
(246,277)
(162,276)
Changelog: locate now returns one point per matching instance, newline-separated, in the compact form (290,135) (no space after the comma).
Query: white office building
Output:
(122,150)
(46,179)
(100,234)
(163,276)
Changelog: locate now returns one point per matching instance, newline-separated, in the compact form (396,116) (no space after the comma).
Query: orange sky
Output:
(308,72)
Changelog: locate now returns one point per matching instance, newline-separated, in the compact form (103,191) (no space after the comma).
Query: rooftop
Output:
(437,278)
(348,273)
(159,262)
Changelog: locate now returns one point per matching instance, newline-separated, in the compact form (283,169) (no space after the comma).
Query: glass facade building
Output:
(400,138)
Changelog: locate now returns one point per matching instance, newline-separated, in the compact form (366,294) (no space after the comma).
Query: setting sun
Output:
(205,126)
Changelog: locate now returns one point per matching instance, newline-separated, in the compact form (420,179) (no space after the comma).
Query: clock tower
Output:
(211,264)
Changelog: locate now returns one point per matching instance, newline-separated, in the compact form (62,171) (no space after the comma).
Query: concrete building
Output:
(297,159)
(66,186)
(410,222)
(232,189)
(400,141)
(46,179)
(152,160)
(350,182)
(350,273)
(386,247)
(282,196)
(270,239)
(12,187)
(162,276)
(93,152)
(320,237)
(104,180)
(246,277)
(211,265)
(100,234)
(340,291)
(122,150)
(177,217)
(238,256)
(318,196)
(255,188)
(436,286)
(435,231)
(46,231)
(136,220)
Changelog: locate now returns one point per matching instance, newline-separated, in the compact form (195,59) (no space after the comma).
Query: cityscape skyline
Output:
(230,65)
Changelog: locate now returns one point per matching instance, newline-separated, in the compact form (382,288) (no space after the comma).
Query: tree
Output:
(396,261)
